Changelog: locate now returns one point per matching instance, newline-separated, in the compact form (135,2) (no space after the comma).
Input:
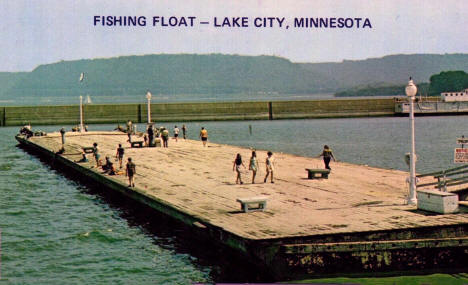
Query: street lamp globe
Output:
(411,89)
(148,95)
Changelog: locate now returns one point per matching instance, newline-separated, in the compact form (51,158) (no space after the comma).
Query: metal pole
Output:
(149,110)
(412,195)
(81,114)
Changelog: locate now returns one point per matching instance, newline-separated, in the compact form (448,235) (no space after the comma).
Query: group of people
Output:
(327,155)
(130,170)
(163,133)
(253,166)
(153,133)
(108,167)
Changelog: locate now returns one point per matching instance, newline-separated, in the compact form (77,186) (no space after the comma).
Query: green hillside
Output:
(449,81)
(220,74)
(446,81)
(390,70)
(167,74)
(9,79)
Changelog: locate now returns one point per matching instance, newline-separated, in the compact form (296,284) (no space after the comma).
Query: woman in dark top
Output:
(236,166)
(327,156)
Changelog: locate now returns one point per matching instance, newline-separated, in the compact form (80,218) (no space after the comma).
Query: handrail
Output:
(442,178)
(457,183)
(451,173)
(442,172)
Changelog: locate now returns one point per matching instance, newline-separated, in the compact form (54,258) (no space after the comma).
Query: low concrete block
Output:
(437,201)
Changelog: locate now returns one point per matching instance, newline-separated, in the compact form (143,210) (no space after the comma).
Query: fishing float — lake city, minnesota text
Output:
(234,22)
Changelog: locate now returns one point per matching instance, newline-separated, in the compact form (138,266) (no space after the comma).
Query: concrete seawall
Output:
(119,113)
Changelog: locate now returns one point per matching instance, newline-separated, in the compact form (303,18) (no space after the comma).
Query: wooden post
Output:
(3,120)
(270,111)
(139,113)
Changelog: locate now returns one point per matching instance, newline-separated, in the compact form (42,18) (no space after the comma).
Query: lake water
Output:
(56,230)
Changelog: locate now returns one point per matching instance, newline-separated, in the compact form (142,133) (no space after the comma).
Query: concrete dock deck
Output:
(199,182)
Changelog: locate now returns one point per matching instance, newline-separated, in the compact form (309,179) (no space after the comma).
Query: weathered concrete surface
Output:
(201,182)
(305,219)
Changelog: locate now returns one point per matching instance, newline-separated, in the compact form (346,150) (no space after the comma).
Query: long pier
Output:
(355,221)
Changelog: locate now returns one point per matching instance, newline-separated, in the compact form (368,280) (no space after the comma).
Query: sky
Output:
(46,31)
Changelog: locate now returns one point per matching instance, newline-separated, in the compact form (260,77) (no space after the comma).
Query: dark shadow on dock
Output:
(236,212)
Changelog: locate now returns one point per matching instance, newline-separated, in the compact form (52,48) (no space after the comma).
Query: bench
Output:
(88,149)
(311,173)
(137,143)
(253,204)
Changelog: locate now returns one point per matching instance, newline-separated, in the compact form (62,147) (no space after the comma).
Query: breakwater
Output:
(118,113)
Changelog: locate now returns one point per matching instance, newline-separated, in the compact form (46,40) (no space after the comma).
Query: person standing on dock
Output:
(129,127)
(96,154)
(119,154)
(236,165)
(130,172)
(184,131)
(253,165)
(270,166)
(165,136)
(327,156)
(204,135)
(176,133)
(129,134)
(150,132)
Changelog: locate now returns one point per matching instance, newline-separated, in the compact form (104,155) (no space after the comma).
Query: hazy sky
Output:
(39,32)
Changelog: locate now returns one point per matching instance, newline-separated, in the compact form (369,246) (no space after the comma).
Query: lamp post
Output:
(81,104)
(410,91)
(81,114)
(148,97)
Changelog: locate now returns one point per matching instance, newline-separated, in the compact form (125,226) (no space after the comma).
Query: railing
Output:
(432,99)
(446,178)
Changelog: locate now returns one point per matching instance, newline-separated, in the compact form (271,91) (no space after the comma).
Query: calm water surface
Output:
(55,229)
